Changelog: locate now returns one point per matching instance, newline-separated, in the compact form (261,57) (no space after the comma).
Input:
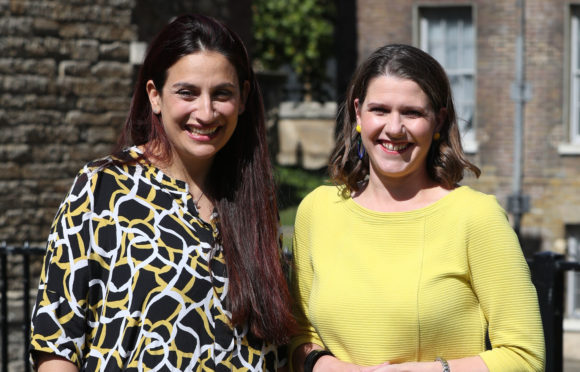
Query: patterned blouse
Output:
(135,280)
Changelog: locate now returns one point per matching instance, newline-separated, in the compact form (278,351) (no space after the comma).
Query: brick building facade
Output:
(486,32)
(551,169)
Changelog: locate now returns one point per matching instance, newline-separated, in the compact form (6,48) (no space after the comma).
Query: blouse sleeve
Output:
(501,280)
(58,320)
(302,276)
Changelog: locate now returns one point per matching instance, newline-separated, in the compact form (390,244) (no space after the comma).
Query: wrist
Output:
(314,357)
(442,364)
(324,363)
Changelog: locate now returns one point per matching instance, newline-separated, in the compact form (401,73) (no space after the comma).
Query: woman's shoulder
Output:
(324,194)
(471,203)
(108,169)
(473,198)
(321,200)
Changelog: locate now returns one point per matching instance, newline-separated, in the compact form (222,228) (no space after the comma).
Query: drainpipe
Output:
(521,92)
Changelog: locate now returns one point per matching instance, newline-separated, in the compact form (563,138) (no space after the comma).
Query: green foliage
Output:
(293,185)
(297,32)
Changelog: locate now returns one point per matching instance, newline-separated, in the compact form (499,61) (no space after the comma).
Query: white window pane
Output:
(468,45)
(577,288)
(576,36)
(465,119)
(436,37)
(462,93)
(452,45)
(576,127)
(448,35)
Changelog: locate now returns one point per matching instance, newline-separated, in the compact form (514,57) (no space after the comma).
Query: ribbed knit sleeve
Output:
(302,276)
(501,280)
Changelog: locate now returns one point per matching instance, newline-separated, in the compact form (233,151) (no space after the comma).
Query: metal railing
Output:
(25,252)
(547,269)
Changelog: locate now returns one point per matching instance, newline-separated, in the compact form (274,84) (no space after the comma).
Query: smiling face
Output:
(199,106)
(397,127)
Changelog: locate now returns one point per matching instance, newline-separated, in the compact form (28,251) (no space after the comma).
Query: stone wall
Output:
(66,79)
(65,82)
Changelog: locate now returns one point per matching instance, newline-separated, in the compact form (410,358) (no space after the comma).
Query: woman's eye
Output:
(379,110)
(185,93)
(222,95)
(414,114)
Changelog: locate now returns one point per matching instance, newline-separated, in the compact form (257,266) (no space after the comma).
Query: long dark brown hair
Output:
(240,180)
(446,161)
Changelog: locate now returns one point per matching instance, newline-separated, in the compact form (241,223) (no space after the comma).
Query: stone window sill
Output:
(572,324)
(470,146)
(569,149)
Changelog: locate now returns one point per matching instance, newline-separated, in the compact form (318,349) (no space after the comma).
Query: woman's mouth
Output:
(396,147)
(203,131)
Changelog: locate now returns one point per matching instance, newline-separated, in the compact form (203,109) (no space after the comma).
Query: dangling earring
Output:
(361,149)
(436,136)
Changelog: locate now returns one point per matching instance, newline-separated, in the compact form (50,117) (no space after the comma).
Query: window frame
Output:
(569,146)
(469,140)
(574,71)
(573,277)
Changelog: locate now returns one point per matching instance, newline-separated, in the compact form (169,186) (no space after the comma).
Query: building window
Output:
(448,34)
(573,277)
(575,77)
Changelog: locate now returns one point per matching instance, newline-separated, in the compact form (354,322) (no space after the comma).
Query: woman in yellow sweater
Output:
(400,268)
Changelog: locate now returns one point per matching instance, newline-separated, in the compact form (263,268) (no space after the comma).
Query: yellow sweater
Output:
(410,286)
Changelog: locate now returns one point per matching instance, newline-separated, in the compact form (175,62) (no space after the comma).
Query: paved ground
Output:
(571,365)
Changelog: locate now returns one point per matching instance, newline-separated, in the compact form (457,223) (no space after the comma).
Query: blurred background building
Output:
(67,70)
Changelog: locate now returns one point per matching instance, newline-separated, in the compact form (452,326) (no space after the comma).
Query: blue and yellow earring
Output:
(361,149)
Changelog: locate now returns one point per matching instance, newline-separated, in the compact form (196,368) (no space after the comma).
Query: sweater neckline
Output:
(419,212)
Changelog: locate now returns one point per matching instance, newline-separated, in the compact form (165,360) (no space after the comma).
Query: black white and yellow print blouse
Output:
(134,279)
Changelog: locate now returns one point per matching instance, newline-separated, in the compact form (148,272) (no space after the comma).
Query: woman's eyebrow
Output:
(183,84)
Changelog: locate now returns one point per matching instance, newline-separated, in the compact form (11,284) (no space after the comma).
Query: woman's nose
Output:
(204,111)
(394,125)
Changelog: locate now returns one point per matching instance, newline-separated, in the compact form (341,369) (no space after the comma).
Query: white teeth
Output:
(393,147)
(202,131)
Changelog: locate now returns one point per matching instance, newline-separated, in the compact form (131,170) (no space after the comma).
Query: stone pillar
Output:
(306,133)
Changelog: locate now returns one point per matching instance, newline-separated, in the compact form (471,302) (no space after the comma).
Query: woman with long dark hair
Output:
(165,255)
(400,268)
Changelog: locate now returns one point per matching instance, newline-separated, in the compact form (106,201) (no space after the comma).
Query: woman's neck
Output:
(194,174)
(399,195)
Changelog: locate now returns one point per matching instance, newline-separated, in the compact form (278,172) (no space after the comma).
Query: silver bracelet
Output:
(444,364)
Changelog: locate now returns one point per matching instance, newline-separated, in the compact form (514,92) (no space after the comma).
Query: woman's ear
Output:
(244,97)
(440,119)
(154,97)
(357,109)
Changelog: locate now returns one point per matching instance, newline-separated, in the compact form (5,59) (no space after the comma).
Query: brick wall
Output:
(550,178)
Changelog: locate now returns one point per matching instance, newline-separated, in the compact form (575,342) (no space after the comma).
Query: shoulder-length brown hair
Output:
(446,161)
(240,180)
